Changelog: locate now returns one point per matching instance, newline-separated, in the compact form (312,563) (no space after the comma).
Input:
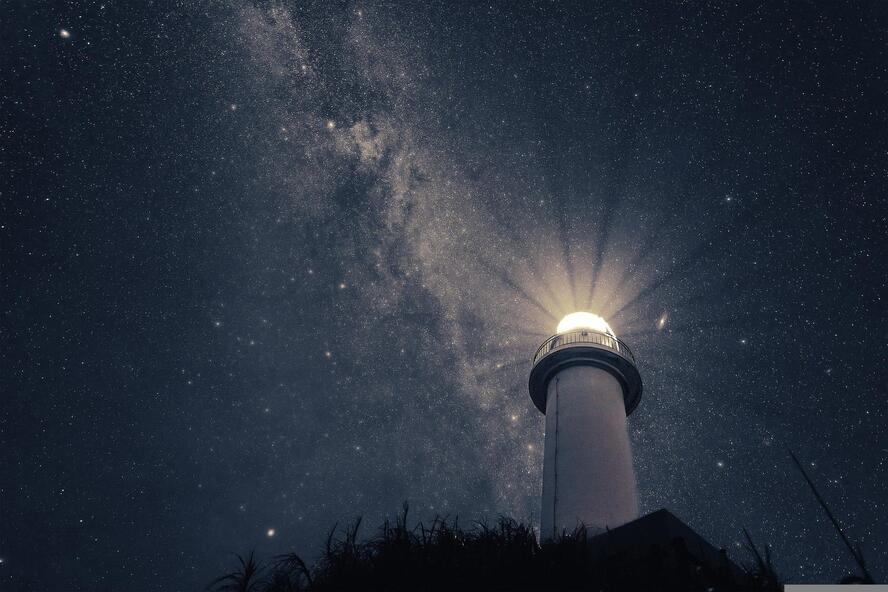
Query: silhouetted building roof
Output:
(661,537)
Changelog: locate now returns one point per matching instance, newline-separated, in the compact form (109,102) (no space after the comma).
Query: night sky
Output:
(268,267)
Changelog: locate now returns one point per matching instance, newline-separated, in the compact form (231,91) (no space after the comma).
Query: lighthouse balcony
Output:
(583,337)
(585,347)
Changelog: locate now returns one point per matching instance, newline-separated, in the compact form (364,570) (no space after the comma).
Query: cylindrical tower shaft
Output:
(586,382)
(588,477)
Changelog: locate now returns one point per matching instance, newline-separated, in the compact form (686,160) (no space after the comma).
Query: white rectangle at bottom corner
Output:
(835,587)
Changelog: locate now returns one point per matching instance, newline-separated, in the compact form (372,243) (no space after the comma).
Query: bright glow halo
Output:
(584,320)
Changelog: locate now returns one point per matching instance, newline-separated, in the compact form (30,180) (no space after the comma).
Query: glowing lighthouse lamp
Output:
(585,380)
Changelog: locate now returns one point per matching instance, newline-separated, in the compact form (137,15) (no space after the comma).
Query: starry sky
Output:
(267,267)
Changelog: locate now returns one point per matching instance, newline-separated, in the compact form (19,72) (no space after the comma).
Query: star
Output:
(270,533)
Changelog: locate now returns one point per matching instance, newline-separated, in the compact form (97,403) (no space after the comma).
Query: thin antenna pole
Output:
(858,556)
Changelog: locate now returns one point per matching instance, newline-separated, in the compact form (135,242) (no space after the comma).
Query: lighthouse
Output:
(585,380)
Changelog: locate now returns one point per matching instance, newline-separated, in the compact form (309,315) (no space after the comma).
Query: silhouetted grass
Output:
(507,556)
(246,578)
(504,555)
(762,572)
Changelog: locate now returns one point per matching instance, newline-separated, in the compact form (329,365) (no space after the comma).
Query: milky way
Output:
(271,267)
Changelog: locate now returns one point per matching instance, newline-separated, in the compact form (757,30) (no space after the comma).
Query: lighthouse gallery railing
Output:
(583,336)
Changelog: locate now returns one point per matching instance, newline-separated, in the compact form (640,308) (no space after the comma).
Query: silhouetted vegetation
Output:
(507,556)
(500,556)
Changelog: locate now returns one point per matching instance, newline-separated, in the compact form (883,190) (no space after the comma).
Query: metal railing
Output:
(583,336)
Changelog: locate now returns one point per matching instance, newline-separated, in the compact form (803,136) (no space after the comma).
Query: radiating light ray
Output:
(527,257)
(565,253)
(504,278)
(637,260)
(601,245)
(675,271)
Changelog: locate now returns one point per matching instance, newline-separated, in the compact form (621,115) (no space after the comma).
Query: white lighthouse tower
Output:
(585,380)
